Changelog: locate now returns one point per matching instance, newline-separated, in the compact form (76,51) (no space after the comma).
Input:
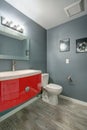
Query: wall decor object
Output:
(64,45)
(81,45)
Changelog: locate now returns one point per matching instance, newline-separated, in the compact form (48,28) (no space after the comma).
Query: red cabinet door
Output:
(30,86)
(9,90)
(17,91)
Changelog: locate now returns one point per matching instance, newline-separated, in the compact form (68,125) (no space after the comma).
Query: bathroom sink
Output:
(17,74)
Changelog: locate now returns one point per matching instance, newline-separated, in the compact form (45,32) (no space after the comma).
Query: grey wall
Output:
(56,66)
(37,36)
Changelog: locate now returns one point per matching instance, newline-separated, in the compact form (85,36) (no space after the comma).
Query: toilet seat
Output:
(54,86)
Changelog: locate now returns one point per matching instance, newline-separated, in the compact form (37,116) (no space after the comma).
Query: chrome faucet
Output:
(13,65)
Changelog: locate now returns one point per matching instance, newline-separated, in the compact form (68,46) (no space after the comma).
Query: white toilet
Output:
(50,91)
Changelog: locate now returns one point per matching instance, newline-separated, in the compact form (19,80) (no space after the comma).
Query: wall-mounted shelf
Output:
(14,57)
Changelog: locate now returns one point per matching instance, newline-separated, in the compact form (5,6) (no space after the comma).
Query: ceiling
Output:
(47,13)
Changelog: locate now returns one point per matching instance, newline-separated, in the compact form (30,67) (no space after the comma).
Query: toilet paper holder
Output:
(69,78)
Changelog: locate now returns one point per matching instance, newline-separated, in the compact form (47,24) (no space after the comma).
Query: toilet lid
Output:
(54,86)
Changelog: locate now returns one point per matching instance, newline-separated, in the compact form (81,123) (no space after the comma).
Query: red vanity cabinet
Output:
(14,92)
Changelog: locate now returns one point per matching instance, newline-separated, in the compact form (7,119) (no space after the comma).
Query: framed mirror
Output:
(13,44)
(14,48)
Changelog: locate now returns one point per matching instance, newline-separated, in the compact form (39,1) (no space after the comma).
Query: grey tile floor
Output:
(42,116)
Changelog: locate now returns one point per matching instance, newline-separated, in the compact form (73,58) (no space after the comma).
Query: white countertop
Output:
(17,74)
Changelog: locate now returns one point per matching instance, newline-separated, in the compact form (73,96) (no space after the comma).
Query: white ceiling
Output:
(47,13)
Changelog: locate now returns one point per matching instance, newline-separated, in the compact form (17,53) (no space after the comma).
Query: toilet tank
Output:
(45,78)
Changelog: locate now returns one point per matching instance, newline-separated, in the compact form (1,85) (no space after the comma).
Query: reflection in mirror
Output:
(11,48)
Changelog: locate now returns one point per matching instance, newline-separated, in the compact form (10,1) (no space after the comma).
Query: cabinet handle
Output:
(27,89)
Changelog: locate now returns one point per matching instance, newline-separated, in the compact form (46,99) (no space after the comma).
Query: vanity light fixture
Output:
(12,25)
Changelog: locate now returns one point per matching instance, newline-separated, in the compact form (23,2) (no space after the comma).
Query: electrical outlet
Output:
(67,61)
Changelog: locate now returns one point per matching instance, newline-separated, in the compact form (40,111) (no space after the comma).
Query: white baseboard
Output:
(73,100)
(18,108)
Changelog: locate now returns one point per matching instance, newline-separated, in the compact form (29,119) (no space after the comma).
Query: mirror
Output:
(14,48)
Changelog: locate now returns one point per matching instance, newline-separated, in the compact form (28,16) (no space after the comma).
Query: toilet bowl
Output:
(54,88)
(50,91)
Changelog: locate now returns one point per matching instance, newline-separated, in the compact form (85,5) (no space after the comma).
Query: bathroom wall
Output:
(77,68)
(37,36)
